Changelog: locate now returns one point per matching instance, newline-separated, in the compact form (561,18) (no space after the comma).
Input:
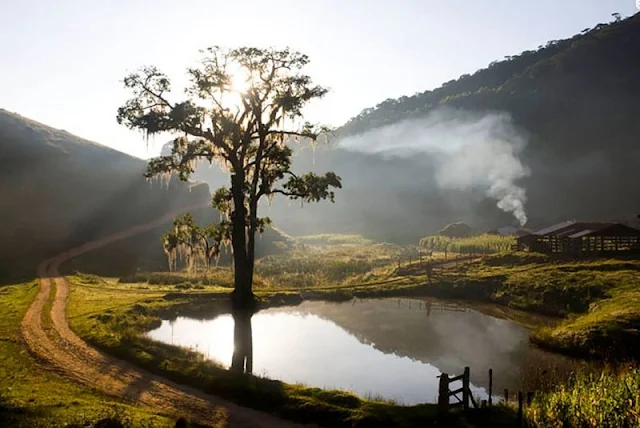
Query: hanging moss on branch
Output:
(192,243)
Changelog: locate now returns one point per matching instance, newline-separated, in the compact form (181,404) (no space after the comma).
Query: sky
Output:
(62,62)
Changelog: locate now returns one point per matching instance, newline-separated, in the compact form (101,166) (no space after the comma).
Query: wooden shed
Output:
(582,238)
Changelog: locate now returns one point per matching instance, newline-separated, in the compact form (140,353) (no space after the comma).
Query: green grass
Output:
(31,396)
(328,265)
(115,322)
(596,304)
(599,300)
(596,299)
(319,261)
(607,399)
(610,329)
(590,295)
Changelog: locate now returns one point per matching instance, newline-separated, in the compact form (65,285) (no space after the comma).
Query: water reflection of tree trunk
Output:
(242,360)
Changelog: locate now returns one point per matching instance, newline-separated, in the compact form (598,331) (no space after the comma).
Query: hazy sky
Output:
(62,61)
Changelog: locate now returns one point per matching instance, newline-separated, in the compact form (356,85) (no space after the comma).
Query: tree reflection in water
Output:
(242,360)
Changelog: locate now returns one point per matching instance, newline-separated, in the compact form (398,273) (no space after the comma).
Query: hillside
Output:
(59,190)
(571,105)
(574,99)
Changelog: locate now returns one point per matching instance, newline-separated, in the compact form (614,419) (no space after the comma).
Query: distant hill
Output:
(577,101)
(58,190)
(574,100)
(591,75)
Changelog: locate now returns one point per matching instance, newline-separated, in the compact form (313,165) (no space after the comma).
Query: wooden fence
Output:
(445,392)
(467,400)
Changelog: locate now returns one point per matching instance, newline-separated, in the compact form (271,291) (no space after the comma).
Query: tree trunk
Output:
(251,247)
(242,295)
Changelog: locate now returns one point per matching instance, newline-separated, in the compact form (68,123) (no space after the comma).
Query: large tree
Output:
(242,107)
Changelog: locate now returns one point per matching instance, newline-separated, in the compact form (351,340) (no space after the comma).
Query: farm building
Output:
(582,238)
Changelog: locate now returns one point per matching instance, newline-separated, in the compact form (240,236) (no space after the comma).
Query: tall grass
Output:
(327,265)
(602,400)
(484,244)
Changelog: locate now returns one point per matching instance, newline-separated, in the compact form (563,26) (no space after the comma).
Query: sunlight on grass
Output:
(33,396)
(594,296)
(480,244)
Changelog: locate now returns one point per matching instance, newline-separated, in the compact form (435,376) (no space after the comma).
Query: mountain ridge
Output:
(60,190)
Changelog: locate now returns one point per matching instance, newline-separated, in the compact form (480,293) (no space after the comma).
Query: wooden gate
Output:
(445,392)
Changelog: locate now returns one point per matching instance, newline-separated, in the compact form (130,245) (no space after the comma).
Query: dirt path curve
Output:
(60,349)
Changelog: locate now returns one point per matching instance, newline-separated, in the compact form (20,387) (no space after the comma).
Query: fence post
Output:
(520,404)
(443,394)
(490,386)
(529,398)
(465,388)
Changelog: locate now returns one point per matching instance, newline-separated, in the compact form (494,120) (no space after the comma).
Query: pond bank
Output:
(118,330)
(407,343)
(590,309)
(597,302)
(581,309)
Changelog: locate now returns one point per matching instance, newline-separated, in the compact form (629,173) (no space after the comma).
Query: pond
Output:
(393,349)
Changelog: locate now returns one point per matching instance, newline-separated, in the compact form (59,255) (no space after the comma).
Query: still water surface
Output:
(388,348)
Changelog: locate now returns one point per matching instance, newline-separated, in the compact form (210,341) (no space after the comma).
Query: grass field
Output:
(327,260)
(130,314)
(333,260)
(31,396)
(569,402)
(598,300)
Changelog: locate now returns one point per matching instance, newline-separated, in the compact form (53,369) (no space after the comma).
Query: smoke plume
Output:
(469,151)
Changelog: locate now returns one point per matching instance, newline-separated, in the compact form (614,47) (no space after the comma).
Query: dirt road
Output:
(63,351)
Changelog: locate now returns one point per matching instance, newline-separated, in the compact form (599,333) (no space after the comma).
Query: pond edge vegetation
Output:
(121,335)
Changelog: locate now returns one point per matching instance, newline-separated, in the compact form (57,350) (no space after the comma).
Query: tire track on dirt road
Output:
(61,350)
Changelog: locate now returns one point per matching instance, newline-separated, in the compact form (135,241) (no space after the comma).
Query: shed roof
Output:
(555,228)
(575,229)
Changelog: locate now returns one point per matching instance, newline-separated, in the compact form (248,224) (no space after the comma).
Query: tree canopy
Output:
(242,107)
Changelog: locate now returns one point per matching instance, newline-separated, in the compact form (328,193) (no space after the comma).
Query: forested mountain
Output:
(572,101)
(576,99)
(574,93)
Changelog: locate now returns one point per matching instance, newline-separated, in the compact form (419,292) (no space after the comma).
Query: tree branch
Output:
(287,193)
